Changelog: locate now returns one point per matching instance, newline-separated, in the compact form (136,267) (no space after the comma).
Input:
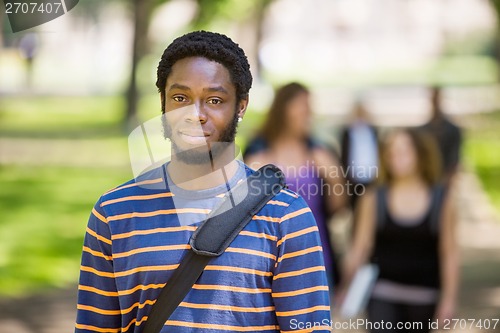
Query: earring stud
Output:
(240,119)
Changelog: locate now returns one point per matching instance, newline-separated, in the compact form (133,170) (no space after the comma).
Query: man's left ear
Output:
(242,107)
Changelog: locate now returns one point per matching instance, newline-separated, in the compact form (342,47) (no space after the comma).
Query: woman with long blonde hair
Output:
(406,227)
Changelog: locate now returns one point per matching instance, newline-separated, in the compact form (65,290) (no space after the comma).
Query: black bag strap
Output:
(212,238)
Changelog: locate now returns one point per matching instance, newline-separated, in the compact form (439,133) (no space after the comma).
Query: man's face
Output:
(201,109)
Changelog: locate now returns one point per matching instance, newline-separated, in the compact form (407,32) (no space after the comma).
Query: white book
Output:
(359,291)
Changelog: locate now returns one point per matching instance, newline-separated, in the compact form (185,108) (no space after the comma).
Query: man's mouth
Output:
(193,137)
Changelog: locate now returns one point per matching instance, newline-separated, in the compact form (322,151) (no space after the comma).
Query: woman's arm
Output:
(363,240)
(330,171)
(449,258)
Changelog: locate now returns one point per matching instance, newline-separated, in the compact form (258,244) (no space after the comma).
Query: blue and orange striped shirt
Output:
(270,279)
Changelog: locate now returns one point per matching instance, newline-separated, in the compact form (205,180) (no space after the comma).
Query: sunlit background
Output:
(72,89)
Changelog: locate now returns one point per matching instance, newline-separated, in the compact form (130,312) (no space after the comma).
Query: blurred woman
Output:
(310,170)
(407,227)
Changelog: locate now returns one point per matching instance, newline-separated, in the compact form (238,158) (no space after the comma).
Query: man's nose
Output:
(197,113)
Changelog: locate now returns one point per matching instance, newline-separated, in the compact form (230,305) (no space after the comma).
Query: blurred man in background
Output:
(359,157)
(448,136)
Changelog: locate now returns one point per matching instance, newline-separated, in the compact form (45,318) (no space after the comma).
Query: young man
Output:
(270,279)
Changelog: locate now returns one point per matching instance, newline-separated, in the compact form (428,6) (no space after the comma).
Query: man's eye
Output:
(179,98)
(214,101)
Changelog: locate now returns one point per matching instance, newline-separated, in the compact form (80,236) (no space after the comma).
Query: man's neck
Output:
(437,115)
(203,176)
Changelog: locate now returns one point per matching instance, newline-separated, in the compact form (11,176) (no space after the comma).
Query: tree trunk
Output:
(2,26)
(496,50)
(141,10)
(260,16)
(495,4)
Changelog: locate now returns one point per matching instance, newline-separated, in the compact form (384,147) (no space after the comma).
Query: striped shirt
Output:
(270,279)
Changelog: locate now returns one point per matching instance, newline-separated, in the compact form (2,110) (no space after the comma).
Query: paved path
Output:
(51,312)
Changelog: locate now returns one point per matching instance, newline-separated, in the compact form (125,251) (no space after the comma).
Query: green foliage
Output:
(481,150)
(465,69)
(496,6)
(475,43)
(43,217)
(70,117)
(60,117)
(44,209)
(486,161)
(230,10)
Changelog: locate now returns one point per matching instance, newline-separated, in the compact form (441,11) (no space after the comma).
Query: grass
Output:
(482,152)
(60,117)
(44,209)
(43,217)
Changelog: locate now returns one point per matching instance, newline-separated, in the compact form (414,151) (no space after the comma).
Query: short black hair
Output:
(213,46)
